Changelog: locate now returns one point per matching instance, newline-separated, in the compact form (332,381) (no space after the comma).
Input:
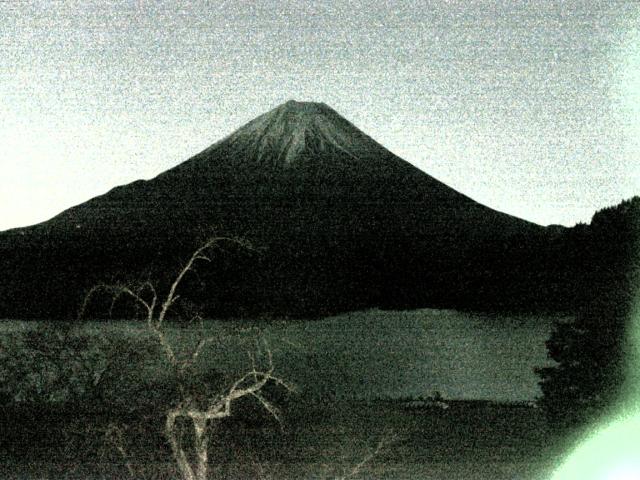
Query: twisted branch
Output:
(219,407)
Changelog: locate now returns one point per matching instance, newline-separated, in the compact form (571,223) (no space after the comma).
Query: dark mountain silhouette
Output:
(339,223)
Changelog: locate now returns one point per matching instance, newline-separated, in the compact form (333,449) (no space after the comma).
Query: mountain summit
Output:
(309,150)
(340,223)
(288,130)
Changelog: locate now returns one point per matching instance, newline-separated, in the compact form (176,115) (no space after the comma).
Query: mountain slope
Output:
(339,222)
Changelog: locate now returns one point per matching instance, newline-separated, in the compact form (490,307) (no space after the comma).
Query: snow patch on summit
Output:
(294,127)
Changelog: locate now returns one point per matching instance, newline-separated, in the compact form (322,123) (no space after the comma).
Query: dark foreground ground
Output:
(467,441)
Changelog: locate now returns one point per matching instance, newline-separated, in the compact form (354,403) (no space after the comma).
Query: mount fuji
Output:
(338,221)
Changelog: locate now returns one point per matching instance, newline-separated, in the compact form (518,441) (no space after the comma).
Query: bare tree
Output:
(198,411)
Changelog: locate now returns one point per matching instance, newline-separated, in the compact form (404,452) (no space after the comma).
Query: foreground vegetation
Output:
(89,402)
(322,441)
(159,402)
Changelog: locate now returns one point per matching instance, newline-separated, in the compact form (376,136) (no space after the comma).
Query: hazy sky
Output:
(530,107)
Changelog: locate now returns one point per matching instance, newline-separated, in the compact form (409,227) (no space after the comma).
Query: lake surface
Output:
(412,353)
(379,354)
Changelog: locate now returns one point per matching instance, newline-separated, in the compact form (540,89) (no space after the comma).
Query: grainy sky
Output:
(530,107)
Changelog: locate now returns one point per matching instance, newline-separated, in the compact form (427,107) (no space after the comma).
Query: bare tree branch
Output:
(220,406)
(384,441)
(118,291)
(269,407)
(197,255)
(249,384)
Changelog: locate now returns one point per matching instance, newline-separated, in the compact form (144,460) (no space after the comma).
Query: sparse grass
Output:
(468,441)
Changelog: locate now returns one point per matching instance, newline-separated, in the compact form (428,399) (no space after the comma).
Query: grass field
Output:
(468,441)
(353,373)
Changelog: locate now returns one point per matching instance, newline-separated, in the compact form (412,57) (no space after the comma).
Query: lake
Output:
(412,353)
(383,354)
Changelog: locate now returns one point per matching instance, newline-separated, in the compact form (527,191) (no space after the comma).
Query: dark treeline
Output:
(594,350)
(313,264)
